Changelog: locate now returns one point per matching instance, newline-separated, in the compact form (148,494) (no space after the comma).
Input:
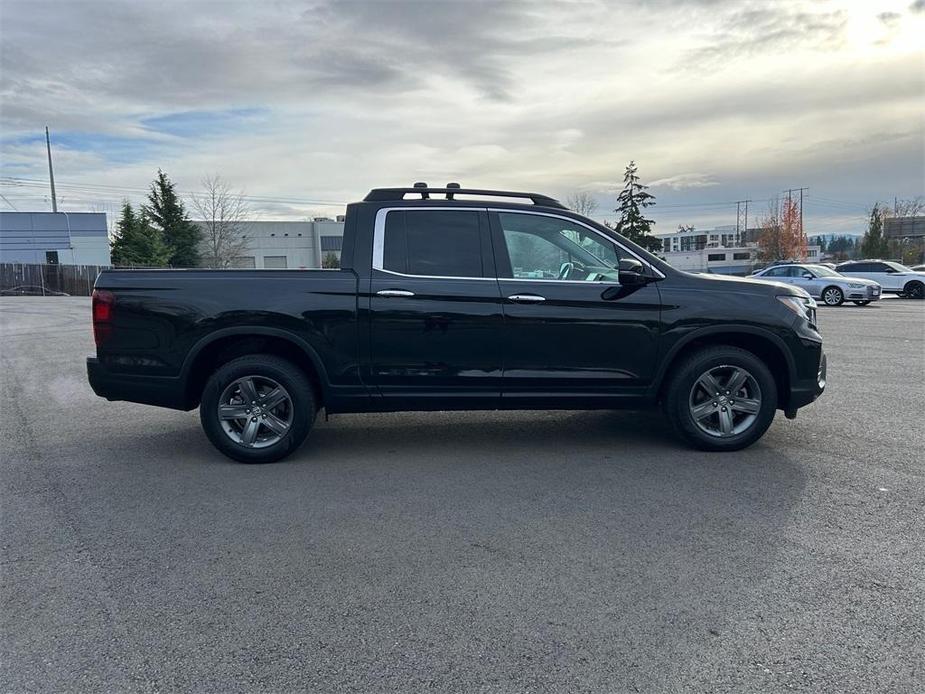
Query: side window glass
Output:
(775,272)
(550,248)
(440,243)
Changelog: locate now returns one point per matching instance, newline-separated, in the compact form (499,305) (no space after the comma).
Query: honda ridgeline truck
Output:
(455,299)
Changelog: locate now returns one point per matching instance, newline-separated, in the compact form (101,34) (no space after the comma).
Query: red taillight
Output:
(103,305)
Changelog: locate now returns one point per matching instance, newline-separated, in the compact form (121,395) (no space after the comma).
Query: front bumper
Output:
(147,390)
(802,393)
(863,294)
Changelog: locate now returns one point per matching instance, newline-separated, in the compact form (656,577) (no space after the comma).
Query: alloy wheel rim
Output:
(832,297)
(725,401)
(255,411)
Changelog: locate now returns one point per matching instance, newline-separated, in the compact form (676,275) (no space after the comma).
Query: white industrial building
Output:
(54,238)
(720,251)
(275,245)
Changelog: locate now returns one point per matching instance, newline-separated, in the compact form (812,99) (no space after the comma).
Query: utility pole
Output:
(744,230)
(51,172)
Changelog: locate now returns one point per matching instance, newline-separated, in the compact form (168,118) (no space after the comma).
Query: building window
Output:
(716,256)
(274,262)
(245,261)
(332,243)
(741,256)
(51,257)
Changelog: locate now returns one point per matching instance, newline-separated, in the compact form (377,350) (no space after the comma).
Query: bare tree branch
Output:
(224,215)
(583,203)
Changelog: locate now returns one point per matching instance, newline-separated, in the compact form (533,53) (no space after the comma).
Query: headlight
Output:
(803,306)
(855,286)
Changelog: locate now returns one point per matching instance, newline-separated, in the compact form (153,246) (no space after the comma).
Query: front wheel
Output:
(862,303)
(833,296)
(257,408)
(721,399)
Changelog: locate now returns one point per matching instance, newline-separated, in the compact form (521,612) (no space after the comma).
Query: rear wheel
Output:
(721,399)
(257,408)
(862,303)
(914,290)
(833,296)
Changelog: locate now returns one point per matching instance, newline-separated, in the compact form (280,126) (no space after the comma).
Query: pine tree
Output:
(166,211)
(873,245)
(136,242)
(633,199)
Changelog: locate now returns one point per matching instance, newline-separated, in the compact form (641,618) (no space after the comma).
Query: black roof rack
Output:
(385,194)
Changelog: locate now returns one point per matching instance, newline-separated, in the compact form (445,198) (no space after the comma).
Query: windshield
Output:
(898,267)
(822,271)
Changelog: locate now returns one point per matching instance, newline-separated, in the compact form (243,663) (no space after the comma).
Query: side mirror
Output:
(807,276)
(632,273)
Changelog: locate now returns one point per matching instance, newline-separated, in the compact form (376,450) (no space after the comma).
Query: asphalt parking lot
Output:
(554,551)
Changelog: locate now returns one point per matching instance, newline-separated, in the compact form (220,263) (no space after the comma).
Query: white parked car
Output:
(893,277)
(822,283)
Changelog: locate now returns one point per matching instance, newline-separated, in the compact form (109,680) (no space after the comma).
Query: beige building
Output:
(276,245)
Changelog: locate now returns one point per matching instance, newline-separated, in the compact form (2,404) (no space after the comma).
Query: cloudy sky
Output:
(307,105)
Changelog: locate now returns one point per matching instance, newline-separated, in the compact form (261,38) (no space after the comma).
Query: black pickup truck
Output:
(456,299)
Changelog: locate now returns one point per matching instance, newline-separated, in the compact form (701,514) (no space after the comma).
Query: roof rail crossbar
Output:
(387,194)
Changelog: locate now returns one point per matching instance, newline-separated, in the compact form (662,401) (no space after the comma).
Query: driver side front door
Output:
(570,330)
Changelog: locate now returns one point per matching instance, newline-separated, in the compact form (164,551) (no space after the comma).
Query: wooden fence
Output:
(48,280)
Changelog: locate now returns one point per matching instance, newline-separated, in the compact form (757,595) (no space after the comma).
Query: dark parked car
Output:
(496,301)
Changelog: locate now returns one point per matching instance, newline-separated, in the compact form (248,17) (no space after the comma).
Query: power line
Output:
(8,202)
(100,188)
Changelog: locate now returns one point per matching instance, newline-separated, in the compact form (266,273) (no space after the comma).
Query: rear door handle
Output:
(526,298)
(394,292)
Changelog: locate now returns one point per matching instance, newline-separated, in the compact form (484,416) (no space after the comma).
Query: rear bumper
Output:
(148,390)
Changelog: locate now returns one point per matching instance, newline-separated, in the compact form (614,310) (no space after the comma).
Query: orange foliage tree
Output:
(781,236)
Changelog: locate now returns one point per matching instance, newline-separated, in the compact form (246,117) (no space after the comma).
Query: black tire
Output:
(862,303)
(832,296)
(260,366)
(914,290)
(676,401)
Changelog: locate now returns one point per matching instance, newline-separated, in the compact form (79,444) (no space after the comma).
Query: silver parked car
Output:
(825,284)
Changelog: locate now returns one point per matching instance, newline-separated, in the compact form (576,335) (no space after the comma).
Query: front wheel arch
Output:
(763,345)
(832,287)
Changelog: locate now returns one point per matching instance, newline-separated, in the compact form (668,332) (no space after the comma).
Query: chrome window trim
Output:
(616,243)
(435,277)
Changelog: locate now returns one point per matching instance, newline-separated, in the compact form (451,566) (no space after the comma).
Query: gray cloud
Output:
(766,29)
(552,96)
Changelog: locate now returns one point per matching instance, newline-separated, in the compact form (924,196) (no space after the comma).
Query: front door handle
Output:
(526,298)
(394,292)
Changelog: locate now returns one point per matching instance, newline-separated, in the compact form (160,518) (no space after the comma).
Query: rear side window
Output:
(440,243)
(776,272)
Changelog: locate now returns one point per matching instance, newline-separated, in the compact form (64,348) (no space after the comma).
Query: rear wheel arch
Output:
(767,347)
(212,352)
(914,288)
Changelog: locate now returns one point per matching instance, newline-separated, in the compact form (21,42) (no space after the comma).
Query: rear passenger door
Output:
(434,311)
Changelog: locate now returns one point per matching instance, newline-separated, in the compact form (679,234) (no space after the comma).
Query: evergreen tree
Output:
(874,245)
(166,211)
(633,199)
(136,242)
